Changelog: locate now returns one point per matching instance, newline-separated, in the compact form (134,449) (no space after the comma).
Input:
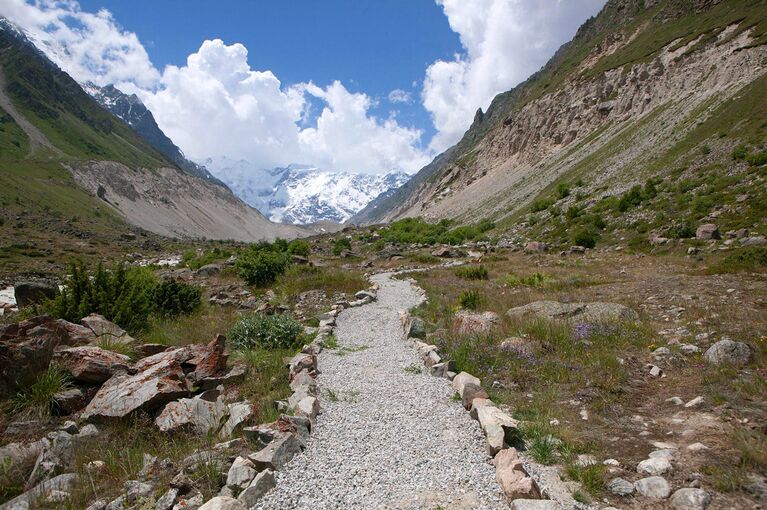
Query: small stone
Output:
(611,462)
(665,453)
(585,460)
(655,371)
(690,499)
(223,503)
(675,400)
(655,487)
(697,447)
(694,402)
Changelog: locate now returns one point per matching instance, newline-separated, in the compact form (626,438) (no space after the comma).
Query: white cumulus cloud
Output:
(504,42)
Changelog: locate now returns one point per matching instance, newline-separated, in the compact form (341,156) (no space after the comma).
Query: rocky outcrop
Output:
(575,312)
(26,348)
(91,364)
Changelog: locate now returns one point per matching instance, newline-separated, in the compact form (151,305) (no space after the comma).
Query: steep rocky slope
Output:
(613,107)
(50,122)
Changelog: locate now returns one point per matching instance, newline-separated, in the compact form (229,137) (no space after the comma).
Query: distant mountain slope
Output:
(53,122)
(300,194)
(610,104)
(132,111)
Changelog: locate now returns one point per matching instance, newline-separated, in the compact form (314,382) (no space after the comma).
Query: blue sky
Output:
(344,85)
(370,46)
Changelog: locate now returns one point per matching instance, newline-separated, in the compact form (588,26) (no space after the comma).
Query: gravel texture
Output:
(387,438)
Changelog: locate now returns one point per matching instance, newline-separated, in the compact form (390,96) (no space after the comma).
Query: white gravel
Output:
(393,439)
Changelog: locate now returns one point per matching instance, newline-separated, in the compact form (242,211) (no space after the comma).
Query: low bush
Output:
(266,332)
(299,247)
(752,258)
(172,298)
(341,245)
(194,261)
(541,205)
(470,299)
(533,280)
(261,265)
(472,272)
(684,230)
(586,237)
(563,190)
(123,295)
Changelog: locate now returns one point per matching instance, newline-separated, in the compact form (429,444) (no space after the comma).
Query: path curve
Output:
(393,439)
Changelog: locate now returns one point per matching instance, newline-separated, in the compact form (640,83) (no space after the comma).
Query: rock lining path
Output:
(393,439)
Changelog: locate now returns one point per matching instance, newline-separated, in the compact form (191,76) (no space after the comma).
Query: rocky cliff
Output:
(621,97)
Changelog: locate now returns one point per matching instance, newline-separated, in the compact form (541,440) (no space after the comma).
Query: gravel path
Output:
(392,438)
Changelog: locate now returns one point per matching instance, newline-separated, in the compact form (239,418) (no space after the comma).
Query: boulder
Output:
(655,487)
(64,482)
(442,252)
(33,293)
(512,477)
(690,499)
(620,487)
(223,503)
(91,364)
(276,454)
(308,407)
(728,352)
(469,323)
(471,392)
(301,362)
(208,361)
(147,390)
(575,312)
(239,414)
(192,414)
(707,232)
(240,474)
(460,380)
(415,328)
(167,500)
(209,270)
(654,466)
(500,429)
(69,401)
(754,241)
(536,247)
(26,348)
(261,484)
(19,458)
(235,375)
(535,504)
(144,350)
(520,346)
(105,330)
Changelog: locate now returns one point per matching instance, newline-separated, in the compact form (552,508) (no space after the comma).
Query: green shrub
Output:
(631,198)
(341,245)
(261,266)
(172,298)
(266,332)
(533,280)
(472,272)
(573,212)
(739,153)
(299,247)
(758,159)
(586,237)
(39,396)
(470,299)
(541,205)
(122,295)
(563,190)
(193,261)
(684,230)
(751,258)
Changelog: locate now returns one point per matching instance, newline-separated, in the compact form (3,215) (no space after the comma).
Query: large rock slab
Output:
(64,483)
(26,348)
(124,394)
(32,293)
(192,414)
(277,453)
(223,503)
(261,484)
(512,477)
(105,330)
(91,364)
(470,323)
(575,312)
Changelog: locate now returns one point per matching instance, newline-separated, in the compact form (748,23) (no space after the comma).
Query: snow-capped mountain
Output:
(302,194)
